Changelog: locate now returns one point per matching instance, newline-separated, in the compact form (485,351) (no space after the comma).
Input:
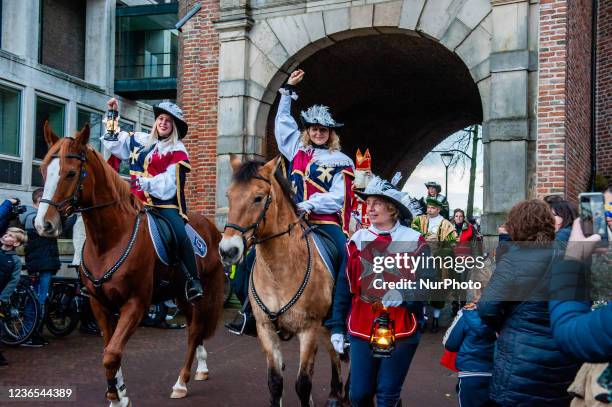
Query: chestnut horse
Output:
(290,288)
(119,254)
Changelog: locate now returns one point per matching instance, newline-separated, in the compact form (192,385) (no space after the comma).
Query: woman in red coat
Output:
(370,375)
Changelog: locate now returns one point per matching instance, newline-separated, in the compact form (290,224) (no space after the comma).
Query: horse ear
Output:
(269,167)
(83,136)
(50,137)
(235,162)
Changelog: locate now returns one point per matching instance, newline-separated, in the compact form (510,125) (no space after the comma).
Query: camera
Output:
(17,209)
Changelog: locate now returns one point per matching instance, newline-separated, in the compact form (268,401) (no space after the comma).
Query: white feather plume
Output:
(396,178)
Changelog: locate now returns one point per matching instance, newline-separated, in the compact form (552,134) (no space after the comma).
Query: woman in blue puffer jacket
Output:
(529,368)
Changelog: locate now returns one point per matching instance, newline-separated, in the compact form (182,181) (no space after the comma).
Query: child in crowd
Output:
(10,269)
(474,343)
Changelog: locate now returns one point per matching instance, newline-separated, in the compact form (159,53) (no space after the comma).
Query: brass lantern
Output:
(382,336)
(111,120)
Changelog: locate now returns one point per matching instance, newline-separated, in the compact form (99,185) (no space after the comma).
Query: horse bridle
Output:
(70,205)
(273,316)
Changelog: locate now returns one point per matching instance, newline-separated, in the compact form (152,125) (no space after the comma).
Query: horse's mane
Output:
(250,169)
(118,187)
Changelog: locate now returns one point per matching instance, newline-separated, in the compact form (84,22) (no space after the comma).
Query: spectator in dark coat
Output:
(584,334)
(529,367)
(6,209)
(564,212)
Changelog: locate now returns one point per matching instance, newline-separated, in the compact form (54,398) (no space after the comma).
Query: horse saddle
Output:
(165,241)
(327,250)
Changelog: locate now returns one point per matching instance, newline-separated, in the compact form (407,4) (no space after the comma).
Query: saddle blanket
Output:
(325,254)
(161,242)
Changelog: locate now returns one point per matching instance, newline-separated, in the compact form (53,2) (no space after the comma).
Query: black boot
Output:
(193,290)
(243,324)
(434,325)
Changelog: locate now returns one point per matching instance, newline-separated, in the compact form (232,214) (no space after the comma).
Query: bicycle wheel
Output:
(62,314)
(22,318)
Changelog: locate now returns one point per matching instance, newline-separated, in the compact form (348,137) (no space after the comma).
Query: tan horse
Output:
(78,179)
(290,290)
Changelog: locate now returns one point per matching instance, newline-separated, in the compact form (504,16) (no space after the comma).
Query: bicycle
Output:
(63,306)
(15,319)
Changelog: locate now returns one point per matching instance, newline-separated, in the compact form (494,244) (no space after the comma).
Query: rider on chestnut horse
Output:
(158,165)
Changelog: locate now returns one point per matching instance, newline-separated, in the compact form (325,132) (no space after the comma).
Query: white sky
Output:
(432,169)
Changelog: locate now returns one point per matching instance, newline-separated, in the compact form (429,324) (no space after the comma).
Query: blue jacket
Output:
(529,369)
(474,343)
(10,271)
(583,334)
(5,212)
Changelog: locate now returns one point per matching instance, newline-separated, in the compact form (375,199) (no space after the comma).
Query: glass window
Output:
(95,123)
(147,46)
(54,112)
(9,121)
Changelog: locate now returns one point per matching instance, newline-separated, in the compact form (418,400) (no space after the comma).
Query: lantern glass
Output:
(382,337)
(111,121)
(447,158)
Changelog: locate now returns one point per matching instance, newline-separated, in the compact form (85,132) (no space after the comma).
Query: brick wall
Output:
(563,109)
(197,94)
(578,112)
(63,36)
(604,89)
(550,168)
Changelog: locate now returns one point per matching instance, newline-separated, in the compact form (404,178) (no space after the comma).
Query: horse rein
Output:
(70,205)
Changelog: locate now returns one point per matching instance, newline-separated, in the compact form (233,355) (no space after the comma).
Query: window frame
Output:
(20,90)
(89,109)
(64,102)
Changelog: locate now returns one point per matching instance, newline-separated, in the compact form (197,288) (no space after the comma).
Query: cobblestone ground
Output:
(237,371)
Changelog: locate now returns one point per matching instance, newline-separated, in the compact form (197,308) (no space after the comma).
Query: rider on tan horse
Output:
(320,174)
(158,165)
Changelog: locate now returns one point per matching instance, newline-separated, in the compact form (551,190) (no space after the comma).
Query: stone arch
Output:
(279,44)
(496,40)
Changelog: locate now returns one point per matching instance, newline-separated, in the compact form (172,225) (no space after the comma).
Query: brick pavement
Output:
(237,371)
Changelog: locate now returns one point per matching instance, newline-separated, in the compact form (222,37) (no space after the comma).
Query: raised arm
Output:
(286,128)
(121,147)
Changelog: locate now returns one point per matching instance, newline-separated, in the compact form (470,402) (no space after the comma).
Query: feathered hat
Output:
(434,184)
(388,191)
(319,114)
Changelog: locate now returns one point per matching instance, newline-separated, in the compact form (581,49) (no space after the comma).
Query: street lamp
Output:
(447,158)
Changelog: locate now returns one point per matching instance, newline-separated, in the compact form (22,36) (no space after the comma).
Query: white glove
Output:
(392,298)
(143,183)
(337,341)
(304,207)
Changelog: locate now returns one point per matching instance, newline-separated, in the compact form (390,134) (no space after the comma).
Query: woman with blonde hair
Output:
(159,163)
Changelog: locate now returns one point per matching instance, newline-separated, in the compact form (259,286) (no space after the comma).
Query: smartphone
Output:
(592,214)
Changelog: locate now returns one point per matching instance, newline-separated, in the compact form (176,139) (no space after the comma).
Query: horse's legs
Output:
(195,315)
(106,323)
(335,392)
(308,350)
(131,314)
(104,319)
(202,369)
(270,343)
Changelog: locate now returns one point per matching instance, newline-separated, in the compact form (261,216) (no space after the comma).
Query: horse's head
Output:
(63,170)
(250,197)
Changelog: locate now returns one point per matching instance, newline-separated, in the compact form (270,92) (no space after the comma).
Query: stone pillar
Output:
(21,28)
(100,43)
(232,134)
(506,129)
(28,118)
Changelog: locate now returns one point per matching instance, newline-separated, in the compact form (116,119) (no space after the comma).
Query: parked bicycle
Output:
(64,305)
(21,316)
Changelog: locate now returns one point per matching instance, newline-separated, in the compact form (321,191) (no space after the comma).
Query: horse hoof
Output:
(178,393)
(201,376)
